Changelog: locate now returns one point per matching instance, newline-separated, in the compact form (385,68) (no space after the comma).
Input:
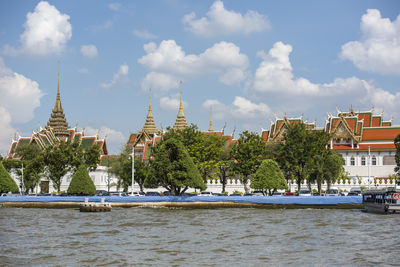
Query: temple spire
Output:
(149,126)
(180,122)
(57,120)
(210,129)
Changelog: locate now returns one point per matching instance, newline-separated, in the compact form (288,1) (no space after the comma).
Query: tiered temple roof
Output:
(350,130)
(57,120)
(149,126)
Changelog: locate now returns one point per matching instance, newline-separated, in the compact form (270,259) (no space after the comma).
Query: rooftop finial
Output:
(210,129)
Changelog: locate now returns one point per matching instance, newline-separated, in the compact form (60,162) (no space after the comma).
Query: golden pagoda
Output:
(57,120)
(149,126)
(180,122)
(210,129)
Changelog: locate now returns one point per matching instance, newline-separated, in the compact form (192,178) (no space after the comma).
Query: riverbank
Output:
(318,202)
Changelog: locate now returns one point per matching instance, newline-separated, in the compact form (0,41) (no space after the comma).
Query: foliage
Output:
(32,158)
(122,168)
(204,149)
(302,154)
(397,156)
(248,153)
(7,184)
(224,168)
(81,183)
(173,168)
(142,171)
(66,157)
(268,177)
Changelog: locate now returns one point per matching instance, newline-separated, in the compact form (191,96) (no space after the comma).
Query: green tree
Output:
(204,149)
(142,171)
(297,151)
(81,183)
(59,160)
(32,158)
(7,184)
(122,169)
(397,156)
(268,177)
(225,168)
(173,168)
(248,153)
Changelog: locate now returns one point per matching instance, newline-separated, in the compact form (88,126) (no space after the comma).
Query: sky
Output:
(244,62)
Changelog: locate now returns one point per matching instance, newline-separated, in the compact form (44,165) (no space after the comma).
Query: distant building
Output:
(364,139)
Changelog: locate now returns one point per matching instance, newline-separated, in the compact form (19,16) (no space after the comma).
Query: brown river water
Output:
(198,237)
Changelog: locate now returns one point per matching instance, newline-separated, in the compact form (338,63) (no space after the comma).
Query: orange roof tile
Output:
(366,117)
(376,121)
(377,146)
(380,133)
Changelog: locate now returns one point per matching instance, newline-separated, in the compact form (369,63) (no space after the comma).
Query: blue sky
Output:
(247,61)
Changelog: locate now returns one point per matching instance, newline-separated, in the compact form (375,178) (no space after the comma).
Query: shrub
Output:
(81,183)
(7,184)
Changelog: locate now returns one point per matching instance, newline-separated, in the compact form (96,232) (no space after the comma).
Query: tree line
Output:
(52,162)
(189,158)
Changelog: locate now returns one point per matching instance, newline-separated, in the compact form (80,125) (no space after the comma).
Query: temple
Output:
(56,130)
(364,139)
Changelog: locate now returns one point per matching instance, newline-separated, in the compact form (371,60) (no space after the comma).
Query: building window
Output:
(389,160)
(363,160)
(373,160)
(352,161)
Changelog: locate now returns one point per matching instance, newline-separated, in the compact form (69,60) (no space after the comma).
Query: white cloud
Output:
(114,6)
(114,139)
(379,47)
(159,81)
(171,103)
(245,108)
(219,21)
(46,31)
(274,75)
(223,58)
(83,70)
(117,77)
(19,95)
(6,132)
(89,51)
(143,34)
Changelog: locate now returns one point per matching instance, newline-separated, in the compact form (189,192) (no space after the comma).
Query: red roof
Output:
(376,121)
(377,146)
(381,133)
(366,117)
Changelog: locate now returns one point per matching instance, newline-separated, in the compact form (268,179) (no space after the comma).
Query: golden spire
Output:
(149,126)
(180,122)
(210,129)
(57,120)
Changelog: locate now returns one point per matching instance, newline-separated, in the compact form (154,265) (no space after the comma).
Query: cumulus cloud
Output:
(219,21)
(89,51)
(241,108)
(379,47)
(143,34)
(6,132)
(19,95)
(223,58)
(274,75)
(114,139)
(46,31)
(171,103)
(159,81)
(117,77)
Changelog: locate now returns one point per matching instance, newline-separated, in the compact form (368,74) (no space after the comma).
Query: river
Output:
(198,237)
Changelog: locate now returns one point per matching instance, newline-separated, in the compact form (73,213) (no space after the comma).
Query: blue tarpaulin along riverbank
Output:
(272,200)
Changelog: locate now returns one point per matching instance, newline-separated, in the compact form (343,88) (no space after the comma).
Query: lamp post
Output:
(22,179)
(133,168)
(369,163)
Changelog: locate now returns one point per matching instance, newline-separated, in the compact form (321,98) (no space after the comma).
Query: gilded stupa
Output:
(57,120)
(180,122)
(210,129)
(149,126)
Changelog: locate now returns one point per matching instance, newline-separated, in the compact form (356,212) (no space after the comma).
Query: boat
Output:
(94,206)
(383,201)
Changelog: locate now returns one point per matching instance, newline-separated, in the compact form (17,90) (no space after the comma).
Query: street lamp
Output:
(369,163)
